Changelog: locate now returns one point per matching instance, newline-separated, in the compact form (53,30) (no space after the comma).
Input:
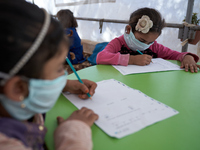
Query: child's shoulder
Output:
(119,40)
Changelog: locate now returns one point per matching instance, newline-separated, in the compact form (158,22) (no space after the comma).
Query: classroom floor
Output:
(77,67)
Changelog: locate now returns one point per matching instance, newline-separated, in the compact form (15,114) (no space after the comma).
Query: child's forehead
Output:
(149,37)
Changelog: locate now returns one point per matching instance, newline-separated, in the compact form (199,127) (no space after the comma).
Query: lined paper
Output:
(158,64)
(122,110)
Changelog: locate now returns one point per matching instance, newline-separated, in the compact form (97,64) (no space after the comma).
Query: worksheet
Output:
(157,64)
(122,110)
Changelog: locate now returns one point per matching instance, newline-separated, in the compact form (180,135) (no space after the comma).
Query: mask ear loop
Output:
(30,51)
(4,77)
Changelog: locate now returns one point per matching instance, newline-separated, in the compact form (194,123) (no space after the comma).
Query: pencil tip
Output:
(91,98)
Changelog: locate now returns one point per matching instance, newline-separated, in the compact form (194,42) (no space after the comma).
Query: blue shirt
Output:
(75,46)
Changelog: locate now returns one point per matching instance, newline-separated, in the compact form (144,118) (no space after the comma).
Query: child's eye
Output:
(142,41)
(150,43)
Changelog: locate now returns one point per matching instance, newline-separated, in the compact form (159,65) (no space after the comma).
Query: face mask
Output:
(43,94)
(134,44)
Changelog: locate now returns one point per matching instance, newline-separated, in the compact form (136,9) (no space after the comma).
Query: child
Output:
(69,23)
(33,50)
(145,25)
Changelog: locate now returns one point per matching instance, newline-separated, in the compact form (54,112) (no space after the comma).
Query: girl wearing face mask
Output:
(145,26)
(32,76)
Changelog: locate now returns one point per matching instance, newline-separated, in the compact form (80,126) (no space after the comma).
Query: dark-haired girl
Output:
(32,76)
(145,26)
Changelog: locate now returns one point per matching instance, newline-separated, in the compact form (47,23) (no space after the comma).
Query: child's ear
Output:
(16,89)
(128,29)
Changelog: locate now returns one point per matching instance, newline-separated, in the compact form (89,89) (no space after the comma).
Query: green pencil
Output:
(79,79)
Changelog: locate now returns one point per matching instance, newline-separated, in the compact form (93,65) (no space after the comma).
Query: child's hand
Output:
(140,60)
(75,87)
(84,114)
(189,63)
(72,55)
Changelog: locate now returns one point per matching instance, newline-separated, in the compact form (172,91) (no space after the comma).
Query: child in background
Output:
(145,26)
(32,76)
(69,23)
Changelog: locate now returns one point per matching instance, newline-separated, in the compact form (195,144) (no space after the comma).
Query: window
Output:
(80,2)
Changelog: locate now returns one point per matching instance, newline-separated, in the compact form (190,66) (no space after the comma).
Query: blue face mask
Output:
(43,94)
(134,44)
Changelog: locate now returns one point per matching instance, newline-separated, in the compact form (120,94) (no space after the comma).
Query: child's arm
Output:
(111,55)
(75,133)
(167,53)
(7,143)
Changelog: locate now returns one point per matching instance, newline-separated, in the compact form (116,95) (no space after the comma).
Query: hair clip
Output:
(144,24)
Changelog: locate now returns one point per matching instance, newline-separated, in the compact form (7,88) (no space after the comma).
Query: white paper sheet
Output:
(158,64)
(121,109)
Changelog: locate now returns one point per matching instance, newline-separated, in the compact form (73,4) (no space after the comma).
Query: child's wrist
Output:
(132,60)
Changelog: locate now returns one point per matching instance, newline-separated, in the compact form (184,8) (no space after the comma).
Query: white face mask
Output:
(134,44)
(43,94)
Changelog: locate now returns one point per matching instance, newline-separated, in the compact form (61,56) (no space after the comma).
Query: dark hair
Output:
(20,24)
(154,15)
(66,18)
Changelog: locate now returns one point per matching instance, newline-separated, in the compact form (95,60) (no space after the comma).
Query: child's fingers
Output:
(91,85)
(83,88)
(186,67)
(82,110)
(182,65)
(83,96)
(94,116)
(191,68)
(148,62)
(198,66)
(84,114)
(60,120)
(88,112)
(149,57)
(92,89)
(195,68)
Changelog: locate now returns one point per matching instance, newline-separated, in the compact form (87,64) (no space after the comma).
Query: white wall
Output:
(173,11)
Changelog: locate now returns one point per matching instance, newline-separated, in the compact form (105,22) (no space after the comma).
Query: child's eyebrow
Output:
(142,39)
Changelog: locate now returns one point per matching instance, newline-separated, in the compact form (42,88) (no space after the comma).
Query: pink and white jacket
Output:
(21,135)
(111,55)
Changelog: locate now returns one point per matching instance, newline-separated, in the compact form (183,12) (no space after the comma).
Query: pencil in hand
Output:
(79,79)
(142,54)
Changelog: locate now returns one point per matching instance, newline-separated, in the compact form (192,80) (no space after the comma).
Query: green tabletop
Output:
(177,89)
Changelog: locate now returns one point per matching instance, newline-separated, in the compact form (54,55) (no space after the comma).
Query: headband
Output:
(31,50)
